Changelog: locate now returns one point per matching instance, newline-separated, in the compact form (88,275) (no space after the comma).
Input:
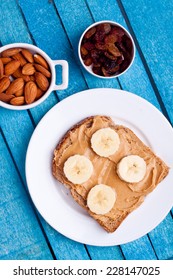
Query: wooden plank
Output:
(17,128)
(18,135)
(155,41)
(65,248)
(31,252)
(20,235)
(12,26)
(162,238)
(139,249)
(105,253)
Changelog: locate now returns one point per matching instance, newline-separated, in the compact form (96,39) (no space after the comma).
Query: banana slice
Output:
(132,169)
(78,169)
(101,199)
(105,142)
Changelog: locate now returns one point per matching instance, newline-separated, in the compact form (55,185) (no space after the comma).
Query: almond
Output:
(41,81)
(42,69)
(18,74)
(28,55)
(10,52)
(40,60)
(5,98)
(17,101)
(1,69)
(4,83)
(16,85)
(5,60)
(28,69)
(20,58)
(11,67)
(20,92)
(39,93)
(30,92)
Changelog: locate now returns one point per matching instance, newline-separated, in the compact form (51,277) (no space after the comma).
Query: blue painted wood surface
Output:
(56,26)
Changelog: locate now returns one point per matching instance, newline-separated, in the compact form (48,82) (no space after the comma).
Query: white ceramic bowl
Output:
(51,63)
(89,68)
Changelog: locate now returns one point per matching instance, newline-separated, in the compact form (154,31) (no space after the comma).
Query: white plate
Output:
(52,199)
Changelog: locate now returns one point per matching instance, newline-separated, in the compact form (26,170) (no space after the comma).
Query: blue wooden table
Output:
(55,26)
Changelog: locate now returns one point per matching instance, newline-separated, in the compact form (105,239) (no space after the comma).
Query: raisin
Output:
(110,56)
(125,63)
(99,36)
(112,71)
(95,55)
(96,65)
(88,61)
(109,64)
(105,72)
(102,58)
(121,47)
(101,46)
(104,27)
(83,51)
(89,46)
(90,33)
(114,50)
(120,59)
(127,43)
(97,70)
(117,31)
(109,72)
(111,38)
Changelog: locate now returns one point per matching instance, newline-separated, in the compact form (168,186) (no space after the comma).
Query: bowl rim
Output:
(52,69)
(87,68)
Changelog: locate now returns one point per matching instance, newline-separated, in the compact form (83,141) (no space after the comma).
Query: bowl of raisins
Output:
(106,49)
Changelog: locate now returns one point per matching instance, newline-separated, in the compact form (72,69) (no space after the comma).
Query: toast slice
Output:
(129,195)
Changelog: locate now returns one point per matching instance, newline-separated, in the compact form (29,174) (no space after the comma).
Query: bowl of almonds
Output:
(27,76)
(106,49)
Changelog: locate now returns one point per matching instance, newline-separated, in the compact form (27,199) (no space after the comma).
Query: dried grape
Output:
(110,56)
(95,54)
(89,46)
(90,33)
(114,50)
(111,38)
(97,71)
(99,36)
(88,61)
(109,64)
(117,30)
(120,59)
(101,46)
(83,51)
(104,27)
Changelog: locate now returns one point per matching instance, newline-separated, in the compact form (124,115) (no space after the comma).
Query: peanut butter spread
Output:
(129,195)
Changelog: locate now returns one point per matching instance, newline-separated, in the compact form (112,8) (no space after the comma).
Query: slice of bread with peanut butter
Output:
(109,178)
